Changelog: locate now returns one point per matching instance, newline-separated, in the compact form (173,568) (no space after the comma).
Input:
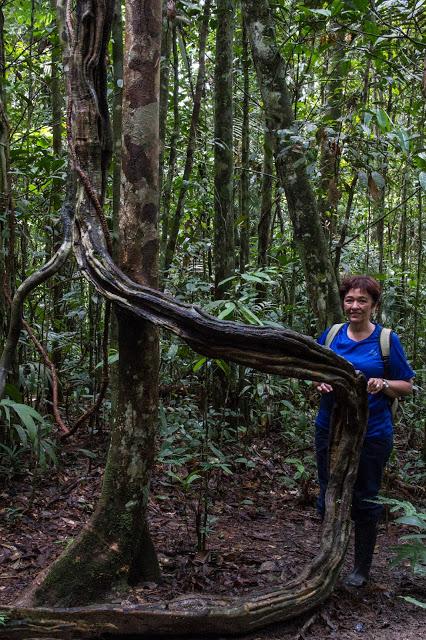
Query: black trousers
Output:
(374,456)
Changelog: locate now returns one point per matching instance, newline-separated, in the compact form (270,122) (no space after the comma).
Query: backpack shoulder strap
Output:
(385,341)
(334,330)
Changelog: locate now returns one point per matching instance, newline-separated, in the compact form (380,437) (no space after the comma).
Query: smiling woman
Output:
(358,341)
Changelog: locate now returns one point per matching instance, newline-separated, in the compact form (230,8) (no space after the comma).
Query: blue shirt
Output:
(366,356)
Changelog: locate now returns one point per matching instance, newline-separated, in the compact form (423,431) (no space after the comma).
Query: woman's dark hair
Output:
(365,283)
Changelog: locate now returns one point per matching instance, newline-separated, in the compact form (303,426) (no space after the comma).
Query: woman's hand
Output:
(375,385)
(323,387)
(392,388)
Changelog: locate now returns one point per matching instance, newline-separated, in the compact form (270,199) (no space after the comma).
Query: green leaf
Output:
(411,600)
(224,366)
(216,451)
(197,366)
(249,316)
(321,12)
(227,311)
(420,160)
(49,450)
(13,392)
(422,180)
(251,278)
(192,477)
(22,434)
(403,139)
(414,521)
(87,453)
(383,120)
(27,415)
(112,358)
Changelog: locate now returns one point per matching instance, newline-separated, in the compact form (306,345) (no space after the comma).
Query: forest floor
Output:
(261,535)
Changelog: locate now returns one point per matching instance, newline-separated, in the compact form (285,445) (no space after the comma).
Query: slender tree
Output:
(7,217)
(245,152)
(265,219)
(291,164)
(224,243)
(192,139)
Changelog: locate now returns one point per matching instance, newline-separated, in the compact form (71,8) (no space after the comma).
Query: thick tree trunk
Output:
(136,419)
(118,528)
(224,243)
(291,164)
(192,139)
(135,424)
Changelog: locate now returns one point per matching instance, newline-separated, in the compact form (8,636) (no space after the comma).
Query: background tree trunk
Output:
(245,152)
(264,225)
(7,217)
(224,243)
(192,139)
(291,165)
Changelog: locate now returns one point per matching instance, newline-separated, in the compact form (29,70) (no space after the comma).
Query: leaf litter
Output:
(261,538)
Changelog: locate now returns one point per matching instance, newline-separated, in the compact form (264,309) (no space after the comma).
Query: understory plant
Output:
(412,547)
(27,436)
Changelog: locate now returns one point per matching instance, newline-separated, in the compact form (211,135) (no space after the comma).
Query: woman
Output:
(359,342)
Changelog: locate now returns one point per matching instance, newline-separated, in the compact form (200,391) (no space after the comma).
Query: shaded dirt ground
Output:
(261,536)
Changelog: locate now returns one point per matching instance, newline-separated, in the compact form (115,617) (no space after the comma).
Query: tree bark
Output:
(329,135)
(79,574)
(224,243)
(117,62)
(174,137)
(245,151)
(166,46)
(264,225)
(291,164)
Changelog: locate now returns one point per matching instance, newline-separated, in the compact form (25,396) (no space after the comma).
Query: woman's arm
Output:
(391,388)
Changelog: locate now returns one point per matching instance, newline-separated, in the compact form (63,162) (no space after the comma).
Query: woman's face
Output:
(358,306)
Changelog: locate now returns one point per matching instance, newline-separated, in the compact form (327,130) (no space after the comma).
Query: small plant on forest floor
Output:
(11,460)
(28,432)
(195,462)
(302,476)
(413,549)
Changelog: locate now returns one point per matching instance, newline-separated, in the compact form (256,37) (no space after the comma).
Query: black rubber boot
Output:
(365,541)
